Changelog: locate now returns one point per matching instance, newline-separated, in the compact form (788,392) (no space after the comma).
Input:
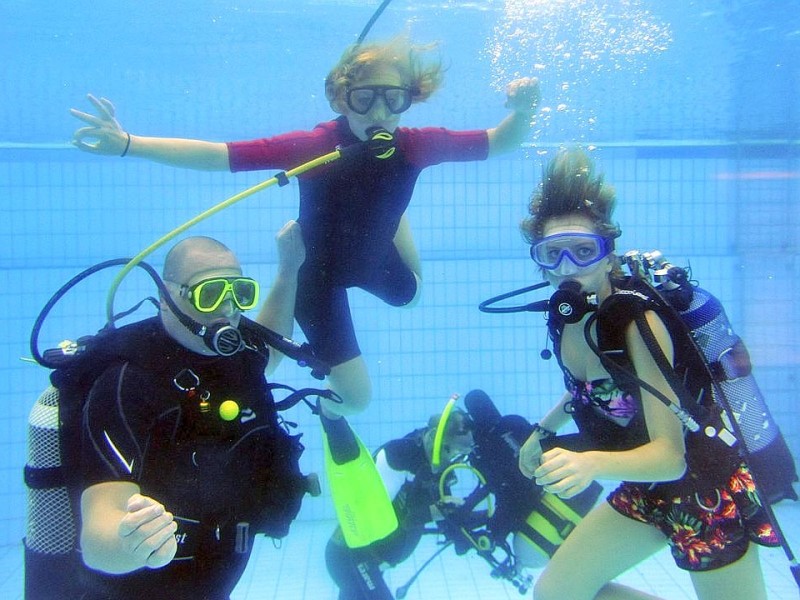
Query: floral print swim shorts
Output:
(704,531)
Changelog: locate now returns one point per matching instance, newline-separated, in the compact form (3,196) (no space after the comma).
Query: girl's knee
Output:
(414,298)
(351,383)
(356,402)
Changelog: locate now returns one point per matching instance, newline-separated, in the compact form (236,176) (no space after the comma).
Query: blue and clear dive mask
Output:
(582,249)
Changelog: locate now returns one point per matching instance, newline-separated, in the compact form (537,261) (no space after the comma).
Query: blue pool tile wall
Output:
(701,139)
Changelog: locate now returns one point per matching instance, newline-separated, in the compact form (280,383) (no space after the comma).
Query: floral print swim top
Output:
(608,414)
(607,400)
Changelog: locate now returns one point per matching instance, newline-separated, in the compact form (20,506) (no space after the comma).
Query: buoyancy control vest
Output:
(52,472)
(711,375)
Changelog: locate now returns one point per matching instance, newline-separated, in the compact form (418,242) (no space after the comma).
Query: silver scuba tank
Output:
(729,361)
(724,352)
(734,387)
(51,532)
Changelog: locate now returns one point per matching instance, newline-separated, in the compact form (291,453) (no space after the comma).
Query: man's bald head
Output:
(197,258)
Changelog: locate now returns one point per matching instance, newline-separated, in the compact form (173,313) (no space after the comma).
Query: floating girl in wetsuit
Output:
(352,215)
(700,503)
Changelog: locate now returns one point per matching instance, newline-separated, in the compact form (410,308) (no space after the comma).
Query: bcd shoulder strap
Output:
(75,378)
(686,374)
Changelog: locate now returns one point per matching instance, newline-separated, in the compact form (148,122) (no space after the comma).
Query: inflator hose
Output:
(280,178)
(380,144)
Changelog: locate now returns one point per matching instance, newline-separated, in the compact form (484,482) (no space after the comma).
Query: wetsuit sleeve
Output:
(117,418)
(283,151)
(434,145)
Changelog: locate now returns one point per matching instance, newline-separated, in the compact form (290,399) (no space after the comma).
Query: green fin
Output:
(363,506)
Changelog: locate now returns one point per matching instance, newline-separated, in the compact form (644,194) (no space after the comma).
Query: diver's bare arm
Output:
(523,97)
(531,450)
(277,312)
(179,152)
(103,134)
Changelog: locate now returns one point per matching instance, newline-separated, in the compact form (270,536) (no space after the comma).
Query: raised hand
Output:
(523,95)
(291,248)
(104,134)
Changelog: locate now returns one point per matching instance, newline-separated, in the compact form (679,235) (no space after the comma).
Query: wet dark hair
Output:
(570,186)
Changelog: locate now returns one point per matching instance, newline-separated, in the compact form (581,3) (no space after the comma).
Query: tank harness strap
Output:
(661,360)
(636,306)
(44,478)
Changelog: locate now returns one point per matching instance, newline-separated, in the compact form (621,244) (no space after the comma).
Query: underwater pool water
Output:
(688,107)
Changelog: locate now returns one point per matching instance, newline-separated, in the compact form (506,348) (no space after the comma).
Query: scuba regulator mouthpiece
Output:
(222,338)
(380,143)
(569,304)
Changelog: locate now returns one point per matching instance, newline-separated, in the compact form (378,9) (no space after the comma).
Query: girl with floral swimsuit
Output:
(708,514)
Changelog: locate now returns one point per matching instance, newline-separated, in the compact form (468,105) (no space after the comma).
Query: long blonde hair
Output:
(359,60)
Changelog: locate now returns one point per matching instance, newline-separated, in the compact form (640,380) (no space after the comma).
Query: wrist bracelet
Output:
(547,433)
(127,145)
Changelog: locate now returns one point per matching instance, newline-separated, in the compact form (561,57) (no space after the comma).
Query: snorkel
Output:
(438,438)
(372,21)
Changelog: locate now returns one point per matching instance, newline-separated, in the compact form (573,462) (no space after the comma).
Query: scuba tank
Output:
(734,387)
(539,520)
(730,365)
(51,535)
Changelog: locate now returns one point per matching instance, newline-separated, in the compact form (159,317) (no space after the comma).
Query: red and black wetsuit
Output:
(349,214)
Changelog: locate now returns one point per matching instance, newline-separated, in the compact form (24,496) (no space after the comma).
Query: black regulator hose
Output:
(372,20)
